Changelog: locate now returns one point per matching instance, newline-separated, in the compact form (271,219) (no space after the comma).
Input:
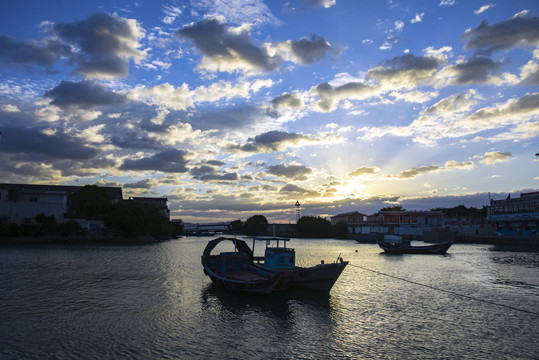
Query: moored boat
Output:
(281,259)
(394,244)
(235,270)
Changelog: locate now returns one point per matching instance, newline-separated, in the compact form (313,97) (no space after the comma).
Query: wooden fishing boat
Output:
(235,270)
(281,260)
(394,244)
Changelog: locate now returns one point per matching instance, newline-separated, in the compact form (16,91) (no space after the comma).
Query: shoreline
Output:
(527,243)
(94,239)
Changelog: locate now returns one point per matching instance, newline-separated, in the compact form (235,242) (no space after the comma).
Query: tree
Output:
(91,202)
(393,208)
(255,225)
(314,227)
(134,218)
(340,230)
(236,225)
(462,211)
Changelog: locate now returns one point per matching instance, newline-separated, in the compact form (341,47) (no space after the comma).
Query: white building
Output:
(20,203)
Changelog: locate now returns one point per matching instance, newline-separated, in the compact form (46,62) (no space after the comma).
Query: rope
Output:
(446,291)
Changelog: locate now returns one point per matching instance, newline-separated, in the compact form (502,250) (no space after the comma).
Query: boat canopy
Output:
(241,246)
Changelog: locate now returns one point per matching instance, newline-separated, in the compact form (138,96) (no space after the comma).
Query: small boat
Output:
(235,270)
(394,244)
(281,260)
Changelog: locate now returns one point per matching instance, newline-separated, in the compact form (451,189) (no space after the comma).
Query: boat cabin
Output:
(278,257)
(395,240)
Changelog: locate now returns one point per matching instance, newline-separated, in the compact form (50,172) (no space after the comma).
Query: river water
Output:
(102,301)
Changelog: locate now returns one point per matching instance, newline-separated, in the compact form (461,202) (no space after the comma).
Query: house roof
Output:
(348,214)
(409,213)
(114,192)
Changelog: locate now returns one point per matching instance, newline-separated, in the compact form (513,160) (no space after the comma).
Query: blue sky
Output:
(233,108)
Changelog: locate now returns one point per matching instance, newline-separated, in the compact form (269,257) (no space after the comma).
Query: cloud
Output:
(406,71)
(225,177)
(512,112)
(43,53)
(308,51)
(298,192)
(330,96)
(455,103)
(226,48)
(483,8)
(170,161)
(245,119)
(365,170)
(320,3)
(516,32)
(447,2)
(416,171)
(208,172)
(38,143)
(9,108)
(401,72)
(143,184)
(238,11)
(399,25)
(171,13)
(106,43)
(529,73)
(494,157)
(452,164)
(287,100)
(99,47)
(273,141)
(294,172)
(473,71)
(413,172)
(86,94)
(417,18)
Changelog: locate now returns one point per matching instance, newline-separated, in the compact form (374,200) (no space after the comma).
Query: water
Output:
(154,302)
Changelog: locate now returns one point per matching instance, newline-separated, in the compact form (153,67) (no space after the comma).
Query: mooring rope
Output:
(444,290)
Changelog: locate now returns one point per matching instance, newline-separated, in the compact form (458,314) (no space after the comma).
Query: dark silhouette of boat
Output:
(394,244)
(281,260)
(235,270)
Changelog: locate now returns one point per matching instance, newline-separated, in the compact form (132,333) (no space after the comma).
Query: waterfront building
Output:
(353,219)
(515,216)
(413,223)
(20,203)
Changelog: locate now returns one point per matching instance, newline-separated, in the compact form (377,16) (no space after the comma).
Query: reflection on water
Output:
(140,302)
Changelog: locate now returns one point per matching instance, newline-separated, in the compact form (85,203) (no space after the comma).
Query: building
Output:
(515,216)
(20,203)
(405,222)
(354,220)
(160,203)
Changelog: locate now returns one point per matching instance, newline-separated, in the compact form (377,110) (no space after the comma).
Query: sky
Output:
(231,108)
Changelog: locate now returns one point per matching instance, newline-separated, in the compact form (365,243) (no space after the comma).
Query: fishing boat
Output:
(235,270)
(281,260)
(394,244)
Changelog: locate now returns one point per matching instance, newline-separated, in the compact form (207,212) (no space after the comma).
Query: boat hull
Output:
(440,248)
(321,277)
(273,284)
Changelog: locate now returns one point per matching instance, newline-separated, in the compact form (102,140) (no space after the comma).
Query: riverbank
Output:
(48,239)
(529,242)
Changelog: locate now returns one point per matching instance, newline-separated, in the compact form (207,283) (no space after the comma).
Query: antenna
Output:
(298,212)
